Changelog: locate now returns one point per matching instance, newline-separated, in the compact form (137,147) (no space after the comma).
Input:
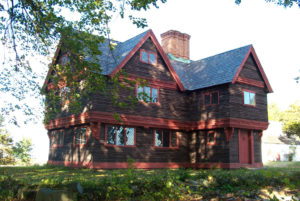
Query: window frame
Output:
(52,145)
(65,56)
(210,98)
(88,130)
(66,100)
(125,128)
(170,140)
(214,133)
(148,56)
(151,87)
(249,91)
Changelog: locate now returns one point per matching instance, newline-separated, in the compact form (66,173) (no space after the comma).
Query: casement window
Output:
(249,98)
(64,95)
(211,138)
(166,139)
(65,59)
(148,57)
(57,138)
(147,94)
(80,135)
(211,98)
(119,136)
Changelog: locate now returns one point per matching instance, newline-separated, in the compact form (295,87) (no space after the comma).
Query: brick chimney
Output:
(176,43)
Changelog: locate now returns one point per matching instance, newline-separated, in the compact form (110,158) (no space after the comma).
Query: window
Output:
(119,136)
(57,138)
(249,98)
(165,139)
(211,98)
(65,59)
(64,95)
(80,136)
(211,138)
(148,57)
(147,94)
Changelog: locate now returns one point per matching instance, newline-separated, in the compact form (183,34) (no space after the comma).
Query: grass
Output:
(162,184)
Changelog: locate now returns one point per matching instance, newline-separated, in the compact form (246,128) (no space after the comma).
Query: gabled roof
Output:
(189,75)
(215,70)
(111,61)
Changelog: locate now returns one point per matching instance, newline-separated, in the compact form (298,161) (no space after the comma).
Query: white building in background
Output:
(276,146)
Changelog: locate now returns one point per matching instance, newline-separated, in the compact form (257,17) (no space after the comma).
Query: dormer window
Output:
(148,57)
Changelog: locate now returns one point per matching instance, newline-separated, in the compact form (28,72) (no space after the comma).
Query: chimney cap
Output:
(175,33)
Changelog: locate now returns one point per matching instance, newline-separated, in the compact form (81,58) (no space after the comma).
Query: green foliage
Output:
(291,120)
(22,151)
(273,112)
(285,3)
(163,184)
(30,28)
(10,153)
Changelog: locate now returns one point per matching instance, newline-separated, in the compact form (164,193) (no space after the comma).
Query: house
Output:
(201,114)
(276,146)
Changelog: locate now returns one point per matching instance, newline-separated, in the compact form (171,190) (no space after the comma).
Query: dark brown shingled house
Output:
(200,114)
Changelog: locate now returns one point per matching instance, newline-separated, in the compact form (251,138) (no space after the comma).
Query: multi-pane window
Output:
(249,98)
(211,98)
(165,138)
(211,138)
(65,59)
(120,136)
(64,94)
(147,94)
(57,138)
(81,135)
(148,57)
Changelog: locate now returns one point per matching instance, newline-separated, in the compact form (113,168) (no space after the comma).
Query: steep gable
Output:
(220,69)
(157,71)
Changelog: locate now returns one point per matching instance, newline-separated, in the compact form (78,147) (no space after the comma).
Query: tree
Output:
(291,120)
(21,151)
(11,154)
(285,3)
(34,27)
(6,143)
(274,113)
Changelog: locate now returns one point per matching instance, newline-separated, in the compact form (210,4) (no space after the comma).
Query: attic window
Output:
(65,59)
(249,98)
(64,95)
(148,57)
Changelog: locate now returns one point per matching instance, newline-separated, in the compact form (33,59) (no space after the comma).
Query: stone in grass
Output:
(46,194)
(26,194)
(75,187)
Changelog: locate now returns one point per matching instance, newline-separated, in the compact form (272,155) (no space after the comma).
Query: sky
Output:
(215,26)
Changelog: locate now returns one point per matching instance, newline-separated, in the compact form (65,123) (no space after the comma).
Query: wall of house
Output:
(250,70)
(239,110)
(96,151)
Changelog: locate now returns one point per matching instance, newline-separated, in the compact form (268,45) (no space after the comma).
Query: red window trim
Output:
(170,142)
(148,54)
(210,100)
(87,135)
(207,139)
(248,105)
(51,138)
(151,87)
(114,145)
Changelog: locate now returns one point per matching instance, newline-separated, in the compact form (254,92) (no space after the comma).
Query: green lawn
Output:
(275,179)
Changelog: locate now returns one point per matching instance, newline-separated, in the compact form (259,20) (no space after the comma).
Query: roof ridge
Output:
(226,52)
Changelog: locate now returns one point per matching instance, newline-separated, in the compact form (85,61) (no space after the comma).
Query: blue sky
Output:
(215,26)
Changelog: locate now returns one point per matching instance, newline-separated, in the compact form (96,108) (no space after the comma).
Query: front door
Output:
(244,146)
